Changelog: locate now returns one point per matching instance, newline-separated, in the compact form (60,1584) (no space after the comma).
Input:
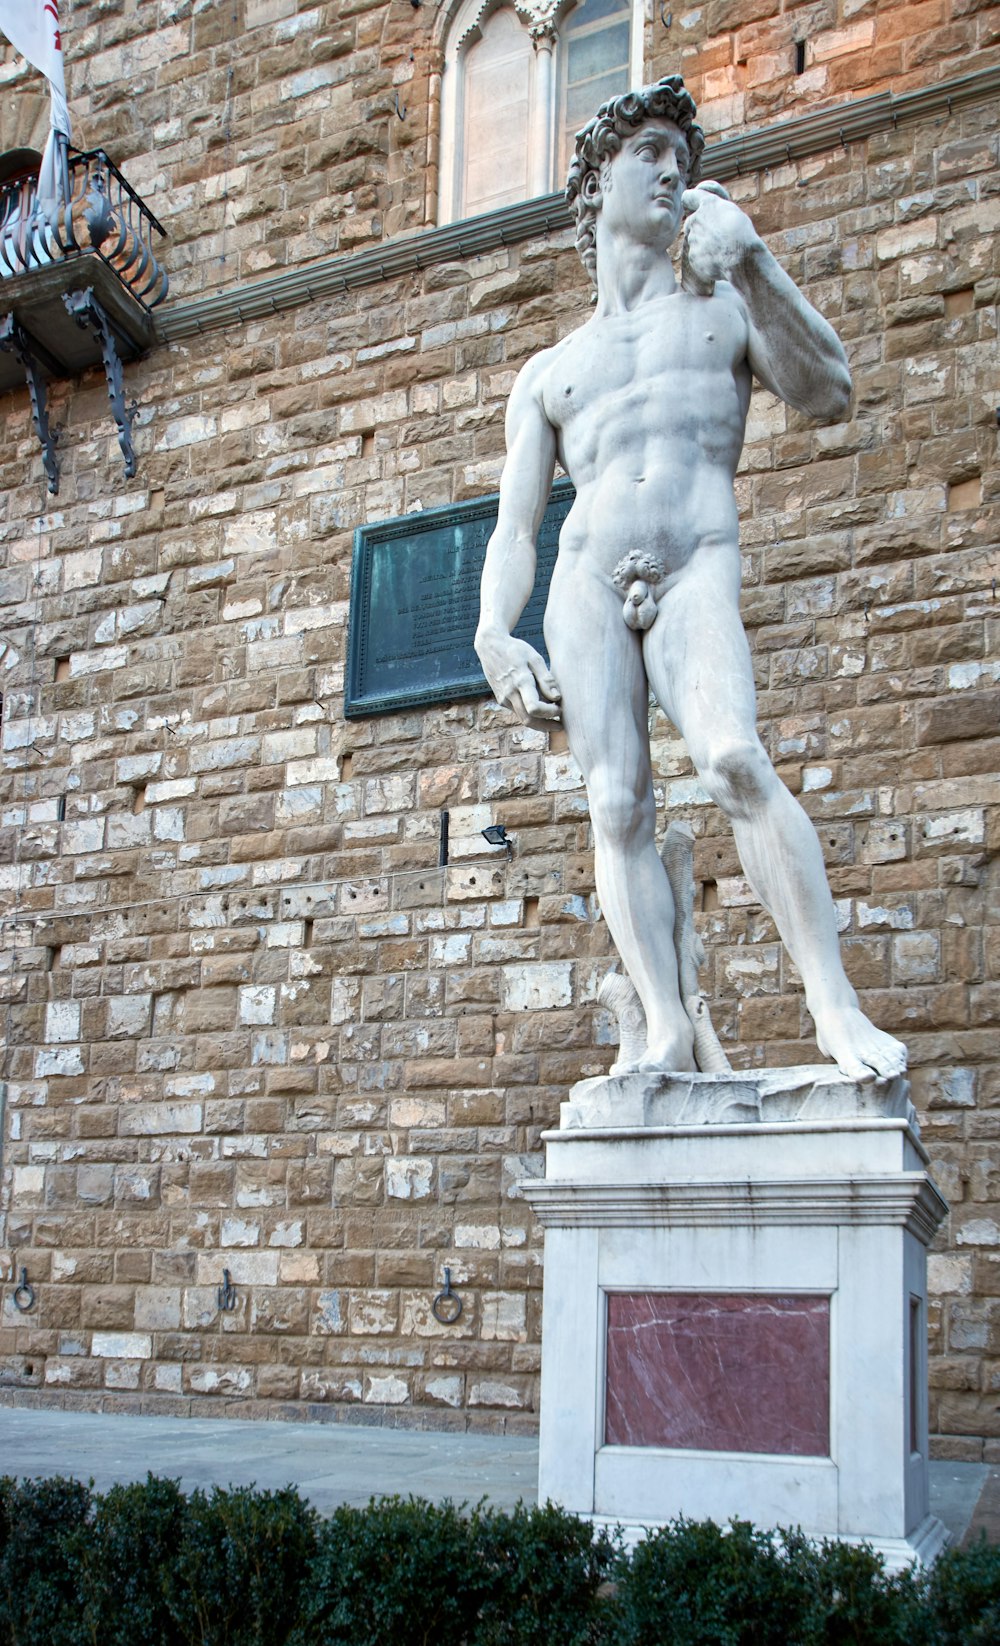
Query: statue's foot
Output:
(860,1051)
(672,1054)
(625,1065)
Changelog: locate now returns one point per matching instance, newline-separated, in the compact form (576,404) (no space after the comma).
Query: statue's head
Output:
(601,139)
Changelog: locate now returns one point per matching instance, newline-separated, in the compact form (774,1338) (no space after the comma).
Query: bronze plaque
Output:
(415,603)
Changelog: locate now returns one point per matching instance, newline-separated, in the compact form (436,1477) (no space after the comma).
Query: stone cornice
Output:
(776,145)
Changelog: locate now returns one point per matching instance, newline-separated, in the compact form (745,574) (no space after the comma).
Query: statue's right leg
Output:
(598,663)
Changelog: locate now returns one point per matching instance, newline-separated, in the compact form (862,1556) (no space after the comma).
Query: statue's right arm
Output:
(517,673)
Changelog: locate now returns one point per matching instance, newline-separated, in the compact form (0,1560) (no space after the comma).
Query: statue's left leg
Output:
(699,665)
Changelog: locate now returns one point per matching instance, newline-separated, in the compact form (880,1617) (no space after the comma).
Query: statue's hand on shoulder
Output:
(520,677)
(717,237)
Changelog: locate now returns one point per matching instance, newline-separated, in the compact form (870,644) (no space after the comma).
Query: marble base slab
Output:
(735,1305)
(810,1091)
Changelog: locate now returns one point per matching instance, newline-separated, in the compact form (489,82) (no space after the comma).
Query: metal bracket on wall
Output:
(15,340)
(88,313)
(226,1293)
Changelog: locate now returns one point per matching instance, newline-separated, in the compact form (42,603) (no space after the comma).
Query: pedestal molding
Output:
(905,1200)
(921,1548)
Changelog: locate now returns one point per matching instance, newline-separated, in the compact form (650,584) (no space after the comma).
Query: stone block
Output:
(506,1393)
(62,1020)
(385,1389)
(246,1268)
(29,1184)
(218,1380)
(330,1318)
(128,1016)
(474,884)
(158,1308)
(444,1389)
(257,1003)
(58,1061)
(160,1119)
(95,1185)
(121,1345)
(373,1313)
(503,1316)
(537,987)
(408,1178)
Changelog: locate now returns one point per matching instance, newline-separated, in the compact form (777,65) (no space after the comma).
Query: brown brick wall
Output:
(248,1023)
(264,133)
(739,57)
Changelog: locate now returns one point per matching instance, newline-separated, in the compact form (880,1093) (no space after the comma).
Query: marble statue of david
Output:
(645,406)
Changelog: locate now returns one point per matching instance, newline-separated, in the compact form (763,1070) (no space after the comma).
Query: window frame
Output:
(461,26)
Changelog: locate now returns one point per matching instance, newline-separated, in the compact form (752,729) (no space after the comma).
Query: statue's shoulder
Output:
(725,292)
(730,319)
(534,374)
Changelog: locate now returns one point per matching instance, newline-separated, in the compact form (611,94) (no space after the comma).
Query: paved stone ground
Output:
(338,1463)
(329,1463)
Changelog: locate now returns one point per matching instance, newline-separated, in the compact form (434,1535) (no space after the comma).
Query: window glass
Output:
(593,66)
(596,52)
(497,97)
(597,9)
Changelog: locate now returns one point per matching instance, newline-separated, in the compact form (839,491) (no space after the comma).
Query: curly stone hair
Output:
(602,137)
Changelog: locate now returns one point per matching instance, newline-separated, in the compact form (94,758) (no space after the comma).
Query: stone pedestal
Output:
(735,1305)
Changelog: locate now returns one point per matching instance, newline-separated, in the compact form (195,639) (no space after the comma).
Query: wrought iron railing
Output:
(97,212)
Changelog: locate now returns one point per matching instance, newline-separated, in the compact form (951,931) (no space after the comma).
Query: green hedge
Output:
(145,1565)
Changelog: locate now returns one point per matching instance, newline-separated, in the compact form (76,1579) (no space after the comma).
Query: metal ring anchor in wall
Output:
(24,1294)
(447,1306)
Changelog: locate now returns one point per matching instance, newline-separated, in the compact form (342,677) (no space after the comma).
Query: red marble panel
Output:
(719,1371)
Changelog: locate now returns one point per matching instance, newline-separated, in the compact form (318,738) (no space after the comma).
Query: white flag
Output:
(32,28)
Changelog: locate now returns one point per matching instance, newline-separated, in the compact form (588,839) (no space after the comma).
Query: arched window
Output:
(519,81)
(497,93)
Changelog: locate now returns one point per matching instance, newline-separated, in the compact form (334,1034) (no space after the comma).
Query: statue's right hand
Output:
(520,678)
(718,236)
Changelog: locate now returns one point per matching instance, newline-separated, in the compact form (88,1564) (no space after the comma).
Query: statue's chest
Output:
(634,355)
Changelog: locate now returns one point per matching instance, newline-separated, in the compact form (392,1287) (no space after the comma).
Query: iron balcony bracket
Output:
(88,313)
(15,340)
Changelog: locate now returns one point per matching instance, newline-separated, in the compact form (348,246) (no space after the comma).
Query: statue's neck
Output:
(630,273)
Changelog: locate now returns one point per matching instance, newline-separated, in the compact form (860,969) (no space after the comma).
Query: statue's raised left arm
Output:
(791,349)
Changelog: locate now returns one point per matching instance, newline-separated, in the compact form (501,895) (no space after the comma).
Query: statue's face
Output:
(642,185)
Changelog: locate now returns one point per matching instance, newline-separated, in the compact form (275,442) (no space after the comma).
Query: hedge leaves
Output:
(147,1564)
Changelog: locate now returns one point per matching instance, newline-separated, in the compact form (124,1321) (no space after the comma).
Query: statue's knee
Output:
(739,776)
(617,815)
